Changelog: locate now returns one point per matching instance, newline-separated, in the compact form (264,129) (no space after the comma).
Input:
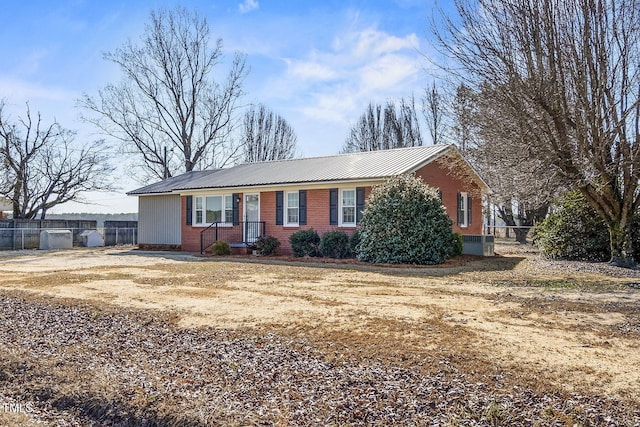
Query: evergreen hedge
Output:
(335,244)
(576,232)
(305,243)
(405,223)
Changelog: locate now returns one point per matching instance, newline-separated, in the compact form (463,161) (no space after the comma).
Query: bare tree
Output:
(464,108)
(381,129)
(434,110)
(570,74)
(522,184)
(42,168)
(266,136)
(169,111)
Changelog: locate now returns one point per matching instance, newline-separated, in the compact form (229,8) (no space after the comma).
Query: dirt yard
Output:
(126,337)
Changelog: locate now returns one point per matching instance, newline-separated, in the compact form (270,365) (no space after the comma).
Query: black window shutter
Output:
(236,208)
(333,206)
(279,207)
(302,207)
(189,210)
(469,210)
(359,203)
(460,219)
(440,195)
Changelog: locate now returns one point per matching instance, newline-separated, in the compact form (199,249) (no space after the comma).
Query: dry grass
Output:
(134,338)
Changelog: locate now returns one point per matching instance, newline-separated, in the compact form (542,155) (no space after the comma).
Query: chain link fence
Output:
(25,234)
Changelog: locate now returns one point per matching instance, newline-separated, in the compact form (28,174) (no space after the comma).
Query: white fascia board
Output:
(285,186)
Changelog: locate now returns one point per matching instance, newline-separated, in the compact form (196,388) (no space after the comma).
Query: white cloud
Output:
(371,42)
(388,72)
(21,91)
(311,70)
(248,5)
(359,67)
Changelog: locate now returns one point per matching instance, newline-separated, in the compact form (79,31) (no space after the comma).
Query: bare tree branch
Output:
(266,136)
(569,72)
(42,168)
(381,129)
(169,111)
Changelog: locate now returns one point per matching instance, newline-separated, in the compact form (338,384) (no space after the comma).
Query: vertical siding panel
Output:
(159,220)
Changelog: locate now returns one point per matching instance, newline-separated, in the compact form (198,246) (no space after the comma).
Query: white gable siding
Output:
(159,221)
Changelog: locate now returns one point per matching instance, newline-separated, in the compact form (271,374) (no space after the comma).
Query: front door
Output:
(251,217)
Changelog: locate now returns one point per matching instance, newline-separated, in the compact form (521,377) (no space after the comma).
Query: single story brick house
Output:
(277,198)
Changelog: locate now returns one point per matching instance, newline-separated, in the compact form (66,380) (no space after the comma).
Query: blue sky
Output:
(316,63)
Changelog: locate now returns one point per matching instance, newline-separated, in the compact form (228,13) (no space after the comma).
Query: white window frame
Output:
(224,198)
(227,208)
(464,209)
(341,206)
(286,208)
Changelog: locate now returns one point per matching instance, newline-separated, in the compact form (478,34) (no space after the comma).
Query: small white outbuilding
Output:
(91,238)
(56,239)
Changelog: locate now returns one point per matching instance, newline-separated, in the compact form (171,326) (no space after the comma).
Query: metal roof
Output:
(343,167)
(169,184)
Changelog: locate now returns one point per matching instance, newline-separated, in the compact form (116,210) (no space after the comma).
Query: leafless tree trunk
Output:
(169,99)
(570,73)
(42,168)
(382,129)
(266,136)
(464,108)
(434,110)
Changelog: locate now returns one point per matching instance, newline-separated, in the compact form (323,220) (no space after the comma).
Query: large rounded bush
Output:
(574,231)
(405,223)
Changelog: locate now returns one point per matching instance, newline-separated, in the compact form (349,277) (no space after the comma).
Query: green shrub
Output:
(457,247)
(574,231)
(405,223)
(354,240)
(221,248)
(267,245)
(305,243)
(334,244)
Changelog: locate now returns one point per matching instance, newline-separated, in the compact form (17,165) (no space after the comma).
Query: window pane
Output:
(348,215)
(214,209)
(292,215)
(228,208)
(198,210)
(292,200)
(348,198)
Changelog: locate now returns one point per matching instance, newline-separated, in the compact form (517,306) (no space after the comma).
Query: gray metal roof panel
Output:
(170,184)
(342,167)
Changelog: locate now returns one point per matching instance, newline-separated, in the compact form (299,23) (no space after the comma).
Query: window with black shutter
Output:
(189,210)
(333,206)
(302,207)
(236,209)
(279,207)
(360,199)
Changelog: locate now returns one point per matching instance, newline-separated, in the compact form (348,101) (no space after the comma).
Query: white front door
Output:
(252,226)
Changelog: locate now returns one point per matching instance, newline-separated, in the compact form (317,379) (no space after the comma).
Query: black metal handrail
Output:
(243,233)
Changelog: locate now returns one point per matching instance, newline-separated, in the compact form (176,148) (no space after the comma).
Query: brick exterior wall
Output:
(190,235)
(434,174)
(317,216)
